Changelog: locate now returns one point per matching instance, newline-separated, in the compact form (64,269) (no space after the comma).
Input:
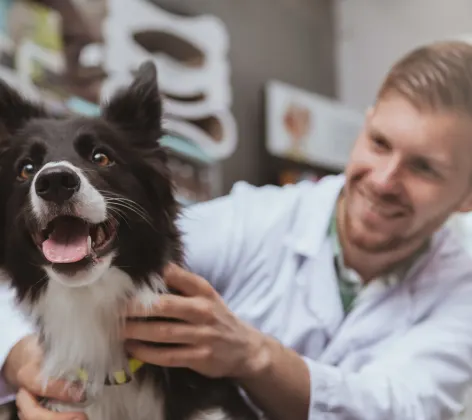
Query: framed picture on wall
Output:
(310,128)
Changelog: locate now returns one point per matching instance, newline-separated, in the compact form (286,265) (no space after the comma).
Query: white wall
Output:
(372,34)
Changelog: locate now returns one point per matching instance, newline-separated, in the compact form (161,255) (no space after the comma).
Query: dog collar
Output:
(119,377)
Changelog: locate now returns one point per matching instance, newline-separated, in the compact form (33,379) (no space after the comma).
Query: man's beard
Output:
(394,242)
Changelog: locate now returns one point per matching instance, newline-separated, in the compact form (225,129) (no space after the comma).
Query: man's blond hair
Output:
(436,77)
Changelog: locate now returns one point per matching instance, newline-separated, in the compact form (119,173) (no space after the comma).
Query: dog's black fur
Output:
(127,131)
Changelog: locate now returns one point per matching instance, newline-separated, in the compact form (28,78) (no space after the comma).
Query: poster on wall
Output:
(72,54)
(306,127)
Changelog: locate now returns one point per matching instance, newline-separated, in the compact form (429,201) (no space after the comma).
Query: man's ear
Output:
(137,109)
(15,111)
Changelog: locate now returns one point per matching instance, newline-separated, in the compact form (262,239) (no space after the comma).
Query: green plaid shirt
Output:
(349,282)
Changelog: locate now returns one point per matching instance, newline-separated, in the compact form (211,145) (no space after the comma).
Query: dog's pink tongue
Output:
(68,241)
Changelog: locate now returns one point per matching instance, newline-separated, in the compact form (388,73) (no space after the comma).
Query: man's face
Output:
(409,170)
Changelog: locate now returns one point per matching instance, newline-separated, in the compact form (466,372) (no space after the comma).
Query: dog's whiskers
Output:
(119,204)
(119,215)
(132,209)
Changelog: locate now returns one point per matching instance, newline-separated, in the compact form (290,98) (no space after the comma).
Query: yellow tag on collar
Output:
(117,378)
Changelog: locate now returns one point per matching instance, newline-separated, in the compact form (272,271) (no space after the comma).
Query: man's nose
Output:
(386,178)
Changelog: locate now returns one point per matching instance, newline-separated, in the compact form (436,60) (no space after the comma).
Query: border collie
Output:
(87,220)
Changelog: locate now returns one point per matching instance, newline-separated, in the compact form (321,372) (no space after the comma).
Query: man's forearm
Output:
(280,383)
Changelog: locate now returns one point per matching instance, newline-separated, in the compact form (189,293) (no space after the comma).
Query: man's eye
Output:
(423,167)
(380,143)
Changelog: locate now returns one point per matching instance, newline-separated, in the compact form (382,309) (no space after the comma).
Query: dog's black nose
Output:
(57,183)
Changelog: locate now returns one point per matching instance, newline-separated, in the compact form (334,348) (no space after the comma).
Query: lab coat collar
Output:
(311,224)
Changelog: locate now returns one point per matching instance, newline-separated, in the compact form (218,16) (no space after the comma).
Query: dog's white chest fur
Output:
(81,325)
(81,329)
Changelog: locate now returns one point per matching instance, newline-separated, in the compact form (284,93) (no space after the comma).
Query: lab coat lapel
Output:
(309,241)
(382,312)
(322,297)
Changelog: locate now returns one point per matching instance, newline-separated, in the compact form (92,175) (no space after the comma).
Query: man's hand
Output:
(214,342)
(22,371)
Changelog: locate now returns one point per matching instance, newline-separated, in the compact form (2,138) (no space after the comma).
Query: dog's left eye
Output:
(27,170)
(101,158)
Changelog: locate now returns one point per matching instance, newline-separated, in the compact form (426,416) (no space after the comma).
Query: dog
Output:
(88,219)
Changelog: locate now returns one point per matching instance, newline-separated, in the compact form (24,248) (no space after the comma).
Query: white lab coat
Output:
(404,352)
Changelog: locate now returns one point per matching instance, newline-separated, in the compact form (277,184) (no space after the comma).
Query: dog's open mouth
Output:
(69,239)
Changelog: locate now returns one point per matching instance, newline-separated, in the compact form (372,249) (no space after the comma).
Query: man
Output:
(343,299)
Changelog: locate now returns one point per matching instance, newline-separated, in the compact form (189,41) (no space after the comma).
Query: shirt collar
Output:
(313,214)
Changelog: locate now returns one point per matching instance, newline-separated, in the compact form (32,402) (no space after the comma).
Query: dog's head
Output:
(78,194)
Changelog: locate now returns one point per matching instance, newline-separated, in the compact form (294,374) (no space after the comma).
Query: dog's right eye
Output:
(101,158)
(27,170)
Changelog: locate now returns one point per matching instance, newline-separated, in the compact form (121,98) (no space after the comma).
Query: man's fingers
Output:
(187,356)
(164,332)
(30,409)
(28,378)
(169,306)
(192,310)
(189,284)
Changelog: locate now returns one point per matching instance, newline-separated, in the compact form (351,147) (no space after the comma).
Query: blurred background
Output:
(265,91)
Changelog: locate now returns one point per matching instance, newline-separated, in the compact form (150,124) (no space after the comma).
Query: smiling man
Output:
(345,299)
(410,169)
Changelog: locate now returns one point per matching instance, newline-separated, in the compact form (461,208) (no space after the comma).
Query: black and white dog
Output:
(87,219)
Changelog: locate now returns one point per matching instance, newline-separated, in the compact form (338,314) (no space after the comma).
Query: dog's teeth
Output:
(100,235)
(89,244)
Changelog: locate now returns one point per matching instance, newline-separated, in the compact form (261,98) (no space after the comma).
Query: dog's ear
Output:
(15,112)
(137,109)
